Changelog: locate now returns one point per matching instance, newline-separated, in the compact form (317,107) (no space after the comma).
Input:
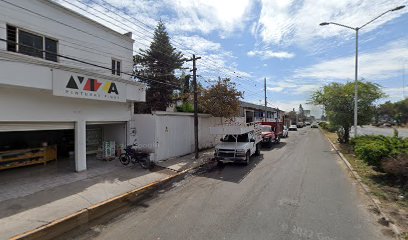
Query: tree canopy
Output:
(220,99)
(338,101)
(155,66)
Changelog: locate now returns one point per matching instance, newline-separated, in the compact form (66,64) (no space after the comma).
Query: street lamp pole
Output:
(356,29)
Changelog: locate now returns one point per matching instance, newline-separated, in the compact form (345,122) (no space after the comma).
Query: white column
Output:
(80,145)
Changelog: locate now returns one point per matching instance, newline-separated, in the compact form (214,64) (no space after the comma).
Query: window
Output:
(31,44)
(116,67)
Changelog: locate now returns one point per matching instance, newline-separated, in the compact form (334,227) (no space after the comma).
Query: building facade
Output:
(255,113)
(64,81)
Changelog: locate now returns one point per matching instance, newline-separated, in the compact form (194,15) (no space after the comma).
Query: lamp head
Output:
(398,8)
(324,23)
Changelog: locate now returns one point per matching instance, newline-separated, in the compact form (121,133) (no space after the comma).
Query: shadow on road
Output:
(274,146)
(233,172)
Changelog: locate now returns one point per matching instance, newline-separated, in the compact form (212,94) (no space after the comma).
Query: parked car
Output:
(293,128)
(300,125)
(314,125)
(238,144)
(285,132)
(307,123)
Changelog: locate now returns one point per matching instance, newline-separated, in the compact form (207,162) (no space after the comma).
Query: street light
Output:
(356,64)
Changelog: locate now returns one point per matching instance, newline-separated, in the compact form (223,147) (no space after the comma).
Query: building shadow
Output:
(231,172)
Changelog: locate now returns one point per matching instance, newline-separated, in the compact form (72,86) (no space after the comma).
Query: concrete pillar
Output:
(80,145)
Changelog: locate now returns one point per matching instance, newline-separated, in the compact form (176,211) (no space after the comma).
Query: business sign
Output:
(68,84)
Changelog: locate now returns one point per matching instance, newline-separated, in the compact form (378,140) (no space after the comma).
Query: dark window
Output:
(116,67)
(11,38)
(30,44)
(51,49)
(113,67)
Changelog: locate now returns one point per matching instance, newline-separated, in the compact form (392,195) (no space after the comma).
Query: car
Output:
(268,135)
(300,125)
(285,132)
(314,125)
(293,128)
(307,123)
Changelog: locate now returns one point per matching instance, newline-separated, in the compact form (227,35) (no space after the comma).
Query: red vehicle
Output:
(268,135)
(276,128)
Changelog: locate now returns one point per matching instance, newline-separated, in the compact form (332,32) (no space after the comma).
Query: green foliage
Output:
(374,148)
(338,101)
(371,152)
(156,66)
(220,99)
(328,126)
(397,111)
(185,107)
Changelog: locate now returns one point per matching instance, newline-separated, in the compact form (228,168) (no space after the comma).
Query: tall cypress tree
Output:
(158,64)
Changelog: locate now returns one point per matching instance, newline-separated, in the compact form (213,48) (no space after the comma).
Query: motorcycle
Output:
(134,155)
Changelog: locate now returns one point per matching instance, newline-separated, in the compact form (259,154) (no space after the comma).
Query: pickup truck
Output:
(238,143)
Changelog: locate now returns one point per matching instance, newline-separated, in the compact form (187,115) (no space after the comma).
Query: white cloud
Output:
(267,54)
(197,43)
(297,21)
(381,64)
(209,15)
(275,89)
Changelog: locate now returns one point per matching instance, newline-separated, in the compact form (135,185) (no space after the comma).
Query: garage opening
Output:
(37,148)
(104,141)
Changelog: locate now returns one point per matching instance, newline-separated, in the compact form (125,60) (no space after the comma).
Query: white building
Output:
(48,99)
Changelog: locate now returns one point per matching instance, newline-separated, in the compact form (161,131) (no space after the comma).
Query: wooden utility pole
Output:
(265,99)
(194,70)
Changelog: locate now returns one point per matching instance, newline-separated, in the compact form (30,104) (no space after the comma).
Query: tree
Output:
(220,99)
(155,67)
(338,101)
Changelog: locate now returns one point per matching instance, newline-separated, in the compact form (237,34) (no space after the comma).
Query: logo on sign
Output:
(92,85)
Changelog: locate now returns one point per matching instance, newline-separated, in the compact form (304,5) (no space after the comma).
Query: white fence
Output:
(171,134)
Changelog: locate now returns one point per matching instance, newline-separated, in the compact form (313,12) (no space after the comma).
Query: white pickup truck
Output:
(239,142)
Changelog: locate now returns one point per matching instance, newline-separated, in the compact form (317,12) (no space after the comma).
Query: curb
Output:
(59,226)
(366,189)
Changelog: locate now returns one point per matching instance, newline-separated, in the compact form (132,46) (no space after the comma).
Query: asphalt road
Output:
(386,131)
(299,189)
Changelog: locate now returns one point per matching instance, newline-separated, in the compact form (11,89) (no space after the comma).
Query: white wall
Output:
(172,134)
(17,104)
(71,42)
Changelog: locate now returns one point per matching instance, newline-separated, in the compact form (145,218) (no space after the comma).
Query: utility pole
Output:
(194,70)
(265,98)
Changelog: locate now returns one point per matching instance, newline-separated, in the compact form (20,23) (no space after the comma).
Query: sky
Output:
(280,40)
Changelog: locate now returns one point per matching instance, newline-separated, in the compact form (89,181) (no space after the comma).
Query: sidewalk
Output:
(36,196)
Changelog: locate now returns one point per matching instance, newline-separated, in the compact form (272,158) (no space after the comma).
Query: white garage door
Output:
(34,126)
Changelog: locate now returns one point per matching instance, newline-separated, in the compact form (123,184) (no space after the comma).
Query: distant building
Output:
(254,112)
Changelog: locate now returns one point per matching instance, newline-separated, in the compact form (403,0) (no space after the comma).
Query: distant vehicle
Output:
(285,133)
(268,135)
(307,123)
(239,143)
(300,125)
(293,128)
(314,125)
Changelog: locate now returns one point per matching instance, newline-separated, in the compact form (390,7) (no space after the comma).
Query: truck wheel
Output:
(277,140)
(247,157)
(270,142)
(258,150)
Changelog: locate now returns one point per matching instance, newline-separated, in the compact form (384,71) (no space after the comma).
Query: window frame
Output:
(114,65)
(44,37)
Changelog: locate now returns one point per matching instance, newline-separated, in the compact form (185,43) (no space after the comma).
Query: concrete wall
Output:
(94,43)
(172,134)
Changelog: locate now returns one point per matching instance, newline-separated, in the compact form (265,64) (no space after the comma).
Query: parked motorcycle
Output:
(134,155)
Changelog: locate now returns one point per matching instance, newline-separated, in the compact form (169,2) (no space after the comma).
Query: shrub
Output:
(397,166)
(185,107)
(328,126)
(371,152)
